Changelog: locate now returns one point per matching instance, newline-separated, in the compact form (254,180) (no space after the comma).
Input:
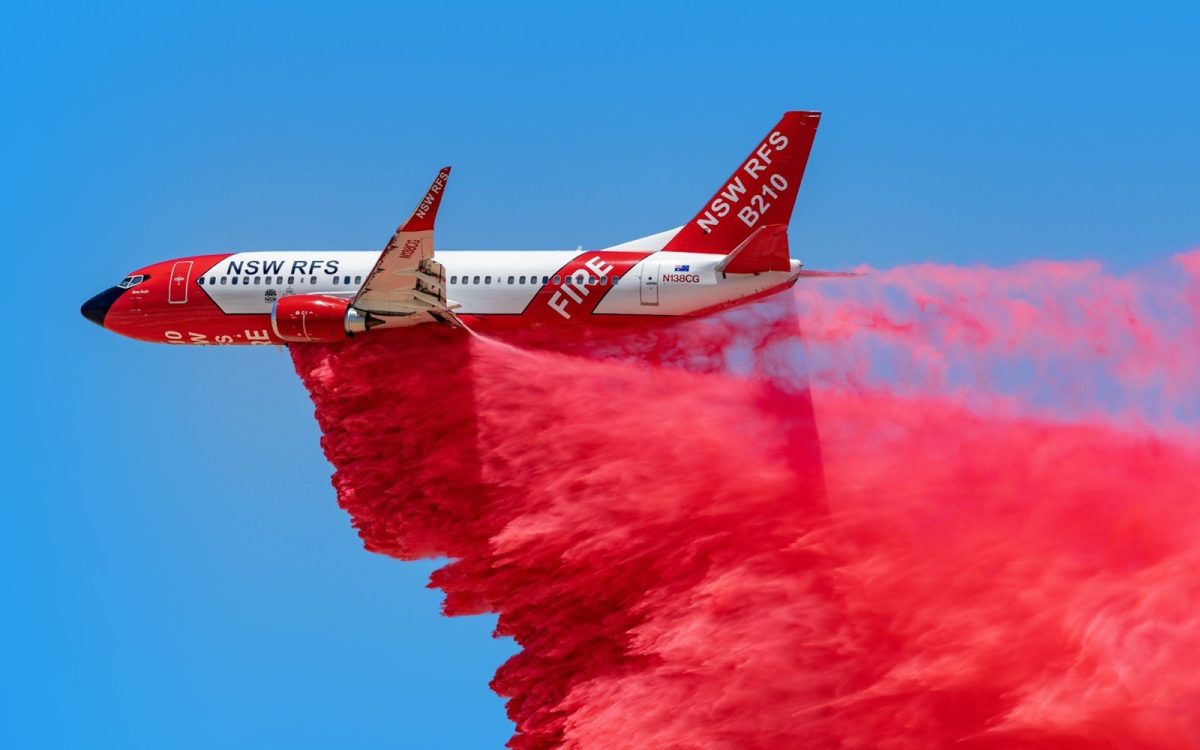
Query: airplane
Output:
(734,250)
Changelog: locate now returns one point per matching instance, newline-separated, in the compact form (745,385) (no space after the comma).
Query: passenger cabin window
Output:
(291,279)
(545,280)
(476,281)
(522,280)
(200,281)
(257,280)
(603,281)
(223,280)
(358,279)
(234,281)
(511,279)
(487,279)
(346,280)
(616,279)
(335,279)
(212,280)
(312,280)
(557,279)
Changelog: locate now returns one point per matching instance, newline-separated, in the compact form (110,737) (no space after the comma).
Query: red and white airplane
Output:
(734,250)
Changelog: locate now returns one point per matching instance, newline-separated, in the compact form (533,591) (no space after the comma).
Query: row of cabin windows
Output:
(339,280)
(257,280)
(557,279)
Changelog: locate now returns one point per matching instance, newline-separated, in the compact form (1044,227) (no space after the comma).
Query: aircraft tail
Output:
(761,192)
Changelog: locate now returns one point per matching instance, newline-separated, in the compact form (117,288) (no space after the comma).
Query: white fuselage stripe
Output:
(485,282)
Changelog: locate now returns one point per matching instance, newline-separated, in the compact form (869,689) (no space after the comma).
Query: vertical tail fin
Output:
(762,191)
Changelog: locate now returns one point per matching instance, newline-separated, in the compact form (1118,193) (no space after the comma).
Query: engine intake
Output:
(307,318)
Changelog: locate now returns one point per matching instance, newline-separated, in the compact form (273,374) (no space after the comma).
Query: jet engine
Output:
(307,318)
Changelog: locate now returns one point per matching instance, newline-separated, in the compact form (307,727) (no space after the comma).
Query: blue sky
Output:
(175,569)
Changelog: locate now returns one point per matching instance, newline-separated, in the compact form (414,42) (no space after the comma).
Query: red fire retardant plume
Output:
(929,507)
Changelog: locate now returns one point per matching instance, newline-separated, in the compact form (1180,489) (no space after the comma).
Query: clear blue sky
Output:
(175,570)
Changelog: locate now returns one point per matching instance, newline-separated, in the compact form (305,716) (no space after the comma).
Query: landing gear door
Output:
(650,283)
(177,290)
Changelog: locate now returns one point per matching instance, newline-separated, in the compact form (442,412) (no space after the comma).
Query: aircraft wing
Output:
(406,281)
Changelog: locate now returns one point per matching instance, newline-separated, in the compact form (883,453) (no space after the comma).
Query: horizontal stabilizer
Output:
(764,250)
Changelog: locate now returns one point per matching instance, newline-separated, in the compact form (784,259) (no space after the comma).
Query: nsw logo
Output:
(683,269)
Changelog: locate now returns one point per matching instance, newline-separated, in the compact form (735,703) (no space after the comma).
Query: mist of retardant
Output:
(931,506)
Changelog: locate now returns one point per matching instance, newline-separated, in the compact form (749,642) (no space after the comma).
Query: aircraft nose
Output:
(97,307)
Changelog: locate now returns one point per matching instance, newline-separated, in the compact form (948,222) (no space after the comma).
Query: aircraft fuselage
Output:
(228,298)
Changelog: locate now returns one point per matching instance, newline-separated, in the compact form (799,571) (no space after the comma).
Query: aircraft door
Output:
(177,290)
(650,283)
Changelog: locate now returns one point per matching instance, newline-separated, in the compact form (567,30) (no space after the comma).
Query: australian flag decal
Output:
(683,269)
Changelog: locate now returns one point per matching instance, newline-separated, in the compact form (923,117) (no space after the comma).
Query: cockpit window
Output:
(129,281)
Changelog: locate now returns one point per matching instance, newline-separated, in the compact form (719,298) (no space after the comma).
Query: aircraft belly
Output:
(484,301)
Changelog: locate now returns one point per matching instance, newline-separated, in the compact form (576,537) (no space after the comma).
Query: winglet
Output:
(422,219)
(764,250)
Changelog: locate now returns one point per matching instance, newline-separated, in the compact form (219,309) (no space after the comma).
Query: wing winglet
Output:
(423,217)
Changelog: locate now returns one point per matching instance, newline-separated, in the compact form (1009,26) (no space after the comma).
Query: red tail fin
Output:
(761,191)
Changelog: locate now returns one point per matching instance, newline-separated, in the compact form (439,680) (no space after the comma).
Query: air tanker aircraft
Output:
(734,250)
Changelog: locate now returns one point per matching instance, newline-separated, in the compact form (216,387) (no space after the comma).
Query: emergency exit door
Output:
(177,290)
(650,283)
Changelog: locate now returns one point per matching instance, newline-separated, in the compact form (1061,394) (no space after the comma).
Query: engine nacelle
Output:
(308,318)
